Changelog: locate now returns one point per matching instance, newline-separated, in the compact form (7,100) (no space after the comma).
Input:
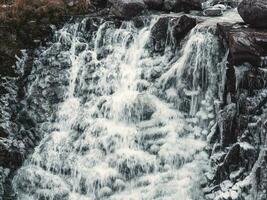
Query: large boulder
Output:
(179,27)
(183,5)
(127,8)
(182,26)
(216,10)
(172,5)
(245,44)
(154,4)
(194,4)
(254,12)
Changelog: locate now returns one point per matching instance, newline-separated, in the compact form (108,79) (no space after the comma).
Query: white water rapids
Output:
(133,123)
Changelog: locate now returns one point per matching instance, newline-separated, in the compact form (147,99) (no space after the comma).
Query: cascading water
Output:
(121,132)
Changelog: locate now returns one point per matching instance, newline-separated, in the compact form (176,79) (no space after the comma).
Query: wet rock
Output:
(230,3)
(9,157)
(127,8)
(104,192)
(213,12)
(227,125)
(182,26)
(245,44)
(142,108)
(99,3)
(4,172)
(179,27)
(159,33)
(119,185)
(183,5)
(81,6)
(172,5)
(154,4)
(253,79)
(254,12)
(260,177)
(240,155)
(193,4)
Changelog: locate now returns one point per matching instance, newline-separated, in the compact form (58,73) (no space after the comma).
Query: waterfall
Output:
(120,132)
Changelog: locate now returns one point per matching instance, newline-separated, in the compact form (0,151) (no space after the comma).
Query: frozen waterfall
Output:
(133,123)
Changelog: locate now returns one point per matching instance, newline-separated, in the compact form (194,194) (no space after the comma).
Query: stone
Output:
(127,8)
(253,79)
(193,4)
(254,12)
(227,125)
(10,158)
(172,5)
(119,185)
(182,26)
(260,177)
(154,4)
(99,3)
(179,27)
(245,44)
(159,33)
(105,192)
(213,12)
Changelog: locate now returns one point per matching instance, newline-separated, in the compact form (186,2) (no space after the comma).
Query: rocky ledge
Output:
(254,12)
(246,44)
(238,153)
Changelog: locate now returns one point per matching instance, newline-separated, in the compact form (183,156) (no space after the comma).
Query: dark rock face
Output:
(227,125)
(127,8)
(183,5)
(172,5)
(260,175)
(154,4)
(245,44)
(254,12)
(182,26)
(238,155)
(15,37)
(27,25)
(213,12)
(194,4)
(179,27)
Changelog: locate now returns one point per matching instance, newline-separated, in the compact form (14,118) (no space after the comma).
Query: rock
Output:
(9,158)
(220,6)
(119,185)
(254,12)
(172,5)
(80,6)
(245,44)
(216,10)
(183,5)
(212,12)
(253,79)
(260,177)
(193,4)
(159,33)
(240,156)
(105,192)
(127,8)
(154,4)
(228,3)
(99,3)
(179,27)
(227,125)
(182,26)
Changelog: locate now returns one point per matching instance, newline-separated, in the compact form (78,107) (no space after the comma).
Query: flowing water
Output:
(133,123)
